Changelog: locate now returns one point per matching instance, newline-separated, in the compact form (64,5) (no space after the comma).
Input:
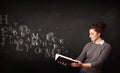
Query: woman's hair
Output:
(99,27)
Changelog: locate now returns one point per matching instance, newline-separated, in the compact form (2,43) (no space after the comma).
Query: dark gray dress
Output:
(96,54)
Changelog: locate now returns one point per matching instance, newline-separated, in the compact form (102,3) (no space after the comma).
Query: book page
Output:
(65,57)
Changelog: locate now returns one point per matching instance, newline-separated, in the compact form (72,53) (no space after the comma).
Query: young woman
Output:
(95,52)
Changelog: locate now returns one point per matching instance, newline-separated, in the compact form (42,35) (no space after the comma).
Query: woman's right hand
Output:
(63,63)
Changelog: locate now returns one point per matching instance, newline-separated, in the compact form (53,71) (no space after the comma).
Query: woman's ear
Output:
(99,34)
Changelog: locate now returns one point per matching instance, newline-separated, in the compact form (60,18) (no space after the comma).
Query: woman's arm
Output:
(80,64)
(86,65)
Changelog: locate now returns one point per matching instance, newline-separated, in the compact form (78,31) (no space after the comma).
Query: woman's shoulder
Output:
(89,43)
(107,44)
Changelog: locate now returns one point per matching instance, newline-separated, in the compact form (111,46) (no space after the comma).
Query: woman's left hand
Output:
(76,64)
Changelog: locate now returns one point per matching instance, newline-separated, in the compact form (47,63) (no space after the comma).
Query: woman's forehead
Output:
(92,30)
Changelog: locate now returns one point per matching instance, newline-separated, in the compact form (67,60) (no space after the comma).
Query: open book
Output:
(65,59)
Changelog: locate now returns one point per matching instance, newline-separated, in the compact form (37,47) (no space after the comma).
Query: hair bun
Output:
(101,24)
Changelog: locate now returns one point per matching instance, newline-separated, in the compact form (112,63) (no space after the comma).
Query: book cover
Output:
(65,59)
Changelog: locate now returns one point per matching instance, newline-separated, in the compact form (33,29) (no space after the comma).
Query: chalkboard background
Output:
(33,32)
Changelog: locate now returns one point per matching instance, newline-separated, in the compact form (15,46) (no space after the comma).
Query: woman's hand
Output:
(76,64)
(62,63)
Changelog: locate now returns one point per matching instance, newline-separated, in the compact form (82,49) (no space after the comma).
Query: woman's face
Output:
(93,35)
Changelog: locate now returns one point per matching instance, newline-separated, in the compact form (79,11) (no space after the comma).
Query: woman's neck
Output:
(98,41)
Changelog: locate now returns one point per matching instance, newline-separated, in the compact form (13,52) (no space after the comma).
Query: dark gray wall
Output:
(68,21)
